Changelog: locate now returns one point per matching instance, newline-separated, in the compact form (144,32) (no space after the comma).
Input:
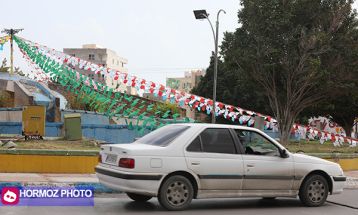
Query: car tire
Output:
(314,191)
(176,193)
(138,197)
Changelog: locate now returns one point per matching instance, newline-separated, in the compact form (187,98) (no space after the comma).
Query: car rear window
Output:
(163,136)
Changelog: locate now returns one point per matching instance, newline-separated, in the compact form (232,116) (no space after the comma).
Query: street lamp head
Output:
(200,14)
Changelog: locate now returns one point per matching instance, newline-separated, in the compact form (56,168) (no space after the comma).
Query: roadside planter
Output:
(48,161)
(80,161)
(348,161)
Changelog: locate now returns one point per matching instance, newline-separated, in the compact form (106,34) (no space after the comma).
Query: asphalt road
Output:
(107,204)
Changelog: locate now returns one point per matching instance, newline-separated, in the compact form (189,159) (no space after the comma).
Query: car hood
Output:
(302,158)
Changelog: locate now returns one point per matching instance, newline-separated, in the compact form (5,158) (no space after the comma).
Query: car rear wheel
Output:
(138,197)
(314,191)
(176,193)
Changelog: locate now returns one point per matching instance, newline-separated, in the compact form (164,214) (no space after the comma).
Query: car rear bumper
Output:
(141,183)
(338,184)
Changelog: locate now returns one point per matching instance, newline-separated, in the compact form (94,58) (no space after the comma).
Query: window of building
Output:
(255,144)
(91,57)
(73,55)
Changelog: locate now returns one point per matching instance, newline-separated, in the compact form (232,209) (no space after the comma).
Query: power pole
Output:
(11,32)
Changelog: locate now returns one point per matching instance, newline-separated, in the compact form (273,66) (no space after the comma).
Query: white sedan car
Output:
(181,162)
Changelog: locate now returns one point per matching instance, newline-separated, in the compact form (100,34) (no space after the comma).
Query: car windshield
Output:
(163,136)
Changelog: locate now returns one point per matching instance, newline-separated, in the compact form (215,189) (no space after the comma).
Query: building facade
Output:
(186,83)
(98,55)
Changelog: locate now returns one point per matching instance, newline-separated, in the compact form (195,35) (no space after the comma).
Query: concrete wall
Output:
(108,133)
(3,84)
(22,95)
(88,117)
(10,114)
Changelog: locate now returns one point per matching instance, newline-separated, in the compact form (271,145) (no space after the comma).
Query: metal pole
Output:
(216,38)
(11,32)
(216,41)
(11,52)
(213,117)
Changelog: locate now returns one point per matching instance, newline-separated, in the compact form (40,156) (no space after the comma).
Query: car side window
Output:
(195,146)
(255,144)
(217,140)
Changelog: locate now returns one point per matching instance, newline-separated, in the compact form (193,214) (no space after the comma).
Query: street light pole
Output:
(11,32)
(201,14)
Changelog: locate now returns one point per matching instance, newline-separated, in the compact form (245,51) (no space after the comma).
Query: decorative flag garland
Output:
(235,114)
(3,40)
(199,103)
(95,94)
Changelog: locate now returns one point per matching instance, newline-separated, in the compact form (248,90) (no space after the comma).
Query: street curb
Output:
(344,205)
(97,187)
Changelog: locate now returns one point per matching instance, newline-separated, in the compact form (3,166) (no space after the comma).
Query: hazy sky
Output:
(160,38)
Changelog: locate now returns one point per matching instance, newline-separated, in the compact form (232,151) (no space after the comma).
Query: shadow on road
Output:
(214,204)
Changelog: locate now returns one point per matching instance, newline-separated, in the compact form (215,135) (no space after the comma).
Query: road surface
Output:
(120,204)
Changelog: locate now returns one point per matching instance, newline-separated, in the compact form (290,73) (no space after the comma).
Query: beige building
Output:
(101,56)
(186,83)
(98,55)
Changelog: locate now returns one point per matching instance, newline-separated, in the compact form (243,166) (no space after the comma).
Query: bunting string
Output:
(55,64)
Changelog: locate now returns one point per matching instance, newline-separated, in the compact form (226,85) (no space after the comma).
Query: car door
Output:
(214,157)
(264,167)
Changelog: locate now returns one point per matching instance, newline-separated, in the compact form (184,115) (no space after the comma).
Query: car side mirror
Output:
(284,153)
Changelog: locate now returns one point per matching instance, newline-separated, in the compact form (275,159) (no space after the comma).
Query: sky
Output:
(160,38)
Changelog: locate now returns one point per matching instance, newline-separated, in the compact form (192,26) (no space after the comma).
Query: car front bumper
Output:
(338,184)
(141,183)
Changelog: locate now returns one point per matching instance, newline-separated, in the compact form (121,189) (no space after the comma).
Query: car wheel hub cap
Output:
(316,191)
(177,193)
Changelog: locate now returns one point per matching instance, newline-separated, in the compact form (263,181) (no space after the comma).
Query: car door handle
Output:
(195,163)
(250,165)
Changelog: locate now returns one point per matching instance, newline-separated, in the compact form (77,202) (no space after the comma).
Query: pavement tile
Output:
(353,174)
(22,177)
(72,179)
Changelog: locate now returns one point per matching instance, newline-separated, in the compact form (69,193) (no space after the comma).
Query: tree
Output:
(4,67)
(19,71)
(281,45)
(233,87)
(341,102)
(166,108)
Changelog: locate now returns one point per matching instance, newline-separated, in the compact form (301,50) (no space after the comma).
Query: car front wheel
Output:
(176,193)
(138,197)
(314,191)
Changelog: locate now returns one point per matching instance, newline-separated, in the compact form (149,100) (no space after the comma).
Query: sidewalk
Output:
(19,179)
(352,180)
(40,179)
(48,178)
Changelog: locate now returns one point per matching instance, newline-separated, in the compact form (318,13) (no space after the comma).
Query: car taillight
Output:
(126,163)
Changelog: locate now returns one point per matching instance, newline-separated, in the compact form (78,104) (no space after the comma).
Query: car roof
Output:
(209,125)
